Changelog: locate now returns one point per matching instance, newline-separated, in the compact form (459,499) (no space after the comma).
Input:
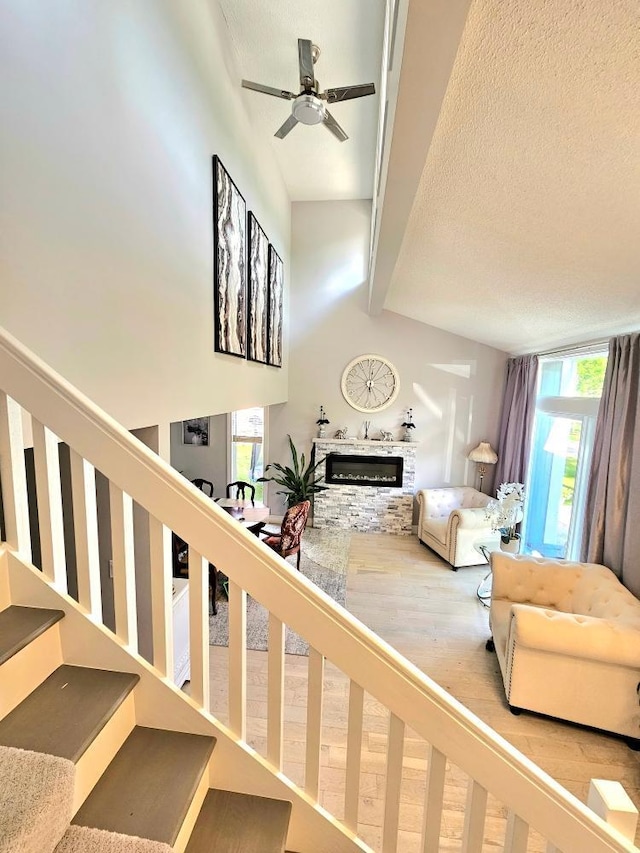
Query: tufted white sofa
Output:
(567,638)
(451,521)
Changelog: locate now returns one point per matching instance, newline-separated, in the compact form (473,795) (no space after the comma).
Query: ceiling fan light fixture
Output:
(308,109)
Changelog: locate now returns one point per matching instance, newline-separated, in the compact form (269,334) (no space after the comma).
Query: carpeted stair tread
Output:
(240,823)
(147,789)
(65,713)
(20,625)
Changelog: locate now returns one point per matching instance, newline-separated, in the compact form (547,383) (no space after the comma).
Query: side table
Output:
(485,548)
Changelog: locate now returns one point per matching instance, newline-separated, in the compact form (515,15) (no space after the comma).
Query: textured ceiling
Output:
(349,33)
(524,231)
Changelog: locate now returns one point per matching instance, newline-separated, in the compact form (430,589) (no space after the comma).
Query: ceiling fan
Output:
(308,106)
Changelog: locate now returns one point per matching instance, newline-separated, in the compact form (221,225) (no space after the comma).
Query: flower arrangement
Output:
(506,512)
(409,424)
(322,420)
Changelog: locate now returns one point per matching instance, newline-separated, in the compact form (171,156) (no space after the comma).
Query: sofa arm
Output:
(471,518)
(578,636)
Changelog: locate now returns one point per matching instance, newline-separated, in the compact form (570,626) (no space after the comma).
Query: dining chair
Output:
(204,486)
(287,541)
(240,487)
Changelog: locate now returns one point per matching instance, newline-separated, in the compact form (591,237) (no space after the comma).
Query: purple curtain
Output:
(516,421)
(612,516)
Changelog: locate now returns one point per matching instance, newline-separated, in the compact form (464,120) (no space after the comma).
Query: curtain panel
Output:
(612,532)
(516,420)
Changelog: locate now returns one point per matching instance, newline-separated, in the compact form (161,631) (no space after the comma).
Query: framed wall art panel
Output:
(276,286)
(229,264)
(257,293)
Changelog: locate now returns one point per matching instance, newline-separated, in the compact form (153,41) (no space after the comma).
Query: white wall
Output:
(453,384)
(111,112)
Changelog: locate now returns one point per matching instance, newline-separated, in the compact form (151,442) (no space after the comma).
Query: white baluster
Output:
(123,563)
(275,691)
(238,660)
(13,476)
(395,751)
(474,818)
(434,796)
(354,756)
(85,525)
(199,627)
(161,596)
(315,690)
(49,492)
(516,835)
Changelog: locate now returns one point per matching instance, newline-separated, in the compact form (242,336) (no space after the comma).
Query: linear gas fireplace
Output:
(347,470)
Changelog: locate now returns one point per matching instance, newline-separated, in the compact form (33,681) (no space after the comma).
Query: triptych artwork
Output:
(248,278)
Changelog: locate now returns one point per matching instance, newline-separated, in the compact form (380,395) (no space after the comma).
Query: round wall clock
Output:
(370,383)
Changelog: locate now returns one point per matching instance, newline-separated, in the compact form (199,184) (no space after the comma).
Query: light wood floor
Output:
(414,601)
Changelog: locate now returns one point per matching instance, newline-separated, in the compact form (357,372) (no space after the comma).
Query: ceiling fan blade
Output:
(305,60)
(268,90)
(346,93)
(334,127)
(287,127)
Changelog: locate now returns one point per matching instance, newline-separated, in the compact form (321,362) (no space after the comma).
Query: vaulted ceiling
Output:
(508,208)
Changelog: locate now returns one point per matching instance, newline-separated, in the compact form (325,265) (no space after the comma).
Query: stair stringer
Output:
(160,704)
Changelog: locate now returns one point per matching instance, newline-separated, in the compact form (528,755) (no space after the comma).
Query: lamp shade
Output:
(483,453)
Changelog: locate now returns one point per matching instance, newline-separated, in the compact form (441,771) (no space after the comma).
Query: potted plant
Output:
(505,514)
(408,425)
(300,482)
(322,422)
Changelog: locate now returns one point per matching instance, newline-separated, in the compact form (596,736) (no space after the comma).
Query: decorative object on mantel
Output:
(298,483)
(366,425)
(408,425)
(484,455)
(505,513)
(385,435)
(322,422)
(342,433)
(370,383)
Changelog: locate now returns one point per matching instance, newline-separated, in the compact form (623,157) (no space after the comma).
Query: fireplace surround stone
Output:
(366,508)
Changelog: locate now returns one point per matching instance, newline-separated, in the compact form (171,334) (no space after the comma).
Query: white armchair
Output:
(451,521)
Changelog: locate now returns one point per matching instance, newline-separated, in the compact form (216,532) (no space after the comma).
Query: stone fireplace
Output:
(370,485)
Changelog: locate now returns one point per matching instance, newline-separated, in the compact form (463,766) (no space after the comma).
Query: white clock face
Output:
(370,383)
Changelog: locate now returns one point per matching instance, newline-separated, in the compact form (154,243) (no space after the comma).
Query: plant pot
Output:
(511,546)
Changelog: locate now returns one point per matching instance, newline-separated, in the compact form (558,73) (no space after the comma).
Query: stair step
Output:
(148,787)
(20,625)
(240,823)
(65,713)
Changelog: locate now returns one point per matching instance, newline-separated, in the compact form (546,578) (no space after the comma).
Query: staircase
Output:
(137,757)
(154,782)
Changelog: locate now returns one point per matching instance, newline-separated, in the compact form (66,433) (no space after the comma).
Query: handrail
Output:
(410,695)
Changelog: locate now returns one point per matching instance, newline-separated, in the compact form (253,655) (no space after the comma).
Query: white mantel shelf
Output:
(370,442)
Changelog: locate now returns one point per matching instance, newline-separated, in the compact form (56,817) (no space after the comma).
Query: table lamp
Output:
(484,455)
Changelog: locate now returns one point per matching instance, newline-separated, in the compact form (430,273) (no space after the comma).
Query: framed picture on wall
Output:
(276,286)
(229,264)
(196,432)
(257,293)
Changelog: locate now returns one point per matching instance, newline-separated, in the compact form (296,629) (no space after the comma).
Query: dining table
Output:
(251,514)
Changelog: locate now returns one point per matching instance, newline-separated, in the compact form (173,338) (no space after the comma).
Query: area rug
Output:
(325,555)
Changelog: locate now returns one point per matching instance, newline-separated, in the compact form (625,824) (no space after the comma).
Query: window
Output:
(247,441)
(569,390)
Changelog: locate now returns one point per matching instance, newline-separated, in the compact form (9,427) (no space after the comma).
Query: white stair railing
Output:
(457,742)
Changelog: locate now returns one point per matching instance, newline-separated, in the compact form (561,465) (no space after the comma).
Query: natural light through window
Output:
(569,390)
(247,441)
